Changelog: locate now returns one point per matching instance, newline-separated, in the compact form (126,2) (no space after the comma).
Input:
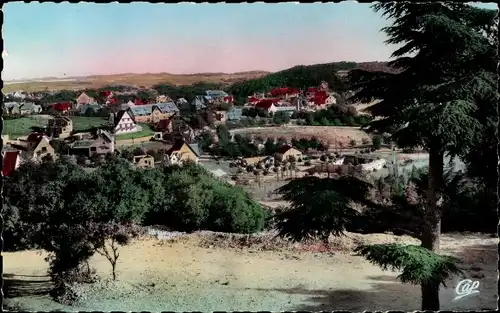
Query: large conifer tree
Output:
(437,100)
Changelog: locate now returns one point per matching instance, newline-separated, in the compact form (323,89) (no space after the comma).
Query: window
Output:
(44,149)
(93,149)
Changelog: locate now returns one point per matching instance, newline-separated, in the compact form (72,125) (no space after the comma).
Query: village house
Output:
(35,147)
(60,127)
(182,152)
(61,107)
(321,100)
(286,152)
(103,143)
(144,161)
(81,136)
(216,94)
(83,99)
(23,108)
(234,114)
(11,161)
(153,113)
(199,103)
(163,99)
(90,108)
(267,105)
(162,128)
(182,104)
(123,123)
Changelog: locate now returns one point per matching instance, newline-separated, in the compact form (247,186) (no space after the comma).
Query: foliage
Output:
(300,77)
(334,115)
(418,265)
(72,213)
(281,118)
(377,142)
(186,92)
(319,207)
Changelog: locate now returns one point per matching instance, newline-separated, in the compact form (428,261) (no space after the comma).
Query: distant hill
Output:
(146,79)
(239,84)
(304,76)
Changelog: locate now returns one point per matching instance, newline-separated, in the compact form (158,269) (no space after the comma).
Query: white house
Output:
(124,123)
(338,161)
(375,165)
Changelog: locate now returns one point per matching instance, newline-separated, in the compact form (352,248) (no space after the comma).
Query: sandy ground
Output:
(186,276)
(330,134)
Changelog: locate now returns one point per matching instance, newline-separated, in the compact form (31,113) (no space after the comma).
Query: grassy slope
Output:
(22,126)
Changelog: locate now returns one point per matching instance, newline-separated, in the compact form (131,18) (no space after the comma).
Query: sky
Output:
(66,39)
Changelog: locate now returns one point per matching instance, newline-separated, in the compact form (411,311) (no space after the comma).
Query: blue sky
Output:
(63,39)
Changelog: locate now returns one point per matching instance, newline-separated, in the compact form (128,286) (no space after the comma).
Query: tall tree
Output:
(447,62)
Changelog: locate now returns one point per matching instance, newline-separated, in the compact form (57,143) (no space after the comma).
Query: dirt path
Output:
(182,276)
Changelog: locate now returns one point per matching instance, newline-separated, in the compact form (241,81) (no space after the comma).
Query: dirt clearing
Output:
(331,135)
(210,272)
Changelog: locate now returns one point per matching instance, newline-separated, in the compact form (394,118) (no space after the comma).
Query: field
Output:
(146,80)
(145,131)
(22,126)
(329,134)
(210,272)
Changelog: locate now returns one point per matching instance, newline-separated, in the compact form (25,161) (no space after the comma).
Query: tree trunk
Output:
(432,229)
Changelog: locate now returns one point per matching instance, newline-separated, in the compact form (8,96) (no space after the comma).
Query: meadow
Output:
(23,126)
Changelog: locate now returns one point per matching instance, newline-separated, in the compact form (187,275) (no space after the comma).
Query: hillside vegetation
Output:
(304,76)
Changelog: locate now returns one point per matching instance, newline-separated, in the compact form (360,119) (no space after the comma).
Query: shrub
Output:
(377,142)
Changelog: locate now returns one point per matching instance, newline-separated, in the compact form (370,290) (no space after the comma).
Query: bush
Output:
(75,214)
(377,142)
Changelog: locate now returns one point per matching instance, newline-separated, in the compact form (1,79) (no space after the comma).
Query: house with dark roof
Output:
(216,93)
(144,161)
(101,144)
(153,113)
(35,147)
(59,127)
(181,152)
(234,114)
(287,152)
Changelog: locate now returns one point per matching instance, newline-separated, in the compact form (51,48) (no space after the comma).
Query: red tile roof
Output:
(252,99)
(10,159)
(266,103)
(228,99)
(62,106)
(138,102)
(112,100)
(105,93)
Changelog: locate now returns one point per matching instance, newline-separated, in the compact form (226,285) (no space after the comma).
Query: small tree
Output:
(106,239)
(281,118)
(377,142)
